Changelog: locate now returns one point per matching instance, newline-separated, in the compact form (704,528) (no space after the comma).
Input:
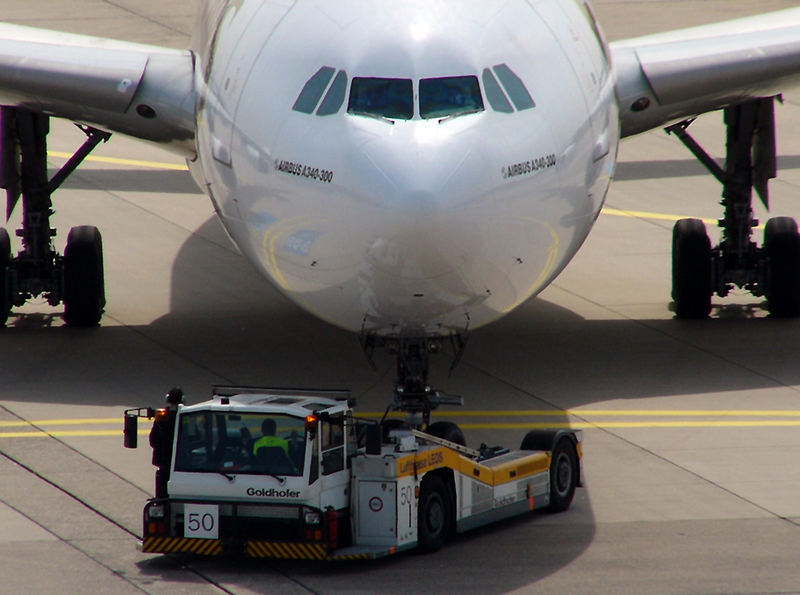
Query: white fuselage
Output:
(404,225)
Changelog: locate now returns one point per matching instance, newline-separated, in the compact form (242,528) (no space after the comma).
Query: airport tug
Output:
(276,473)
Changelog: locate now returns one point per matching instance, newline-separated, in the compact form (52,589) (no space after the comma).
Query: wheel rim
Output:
(563,474)
(434,516)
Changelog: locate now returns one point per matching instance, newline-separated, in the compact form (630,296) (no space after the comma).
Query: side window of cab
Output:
(332,437)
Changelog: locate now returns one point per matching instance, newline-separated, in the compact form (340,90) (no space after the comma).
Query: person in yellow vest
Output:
(269,438)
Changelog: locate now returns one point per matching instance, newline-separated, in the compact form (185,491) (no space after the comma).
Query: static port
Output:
(145,111)
(640,104)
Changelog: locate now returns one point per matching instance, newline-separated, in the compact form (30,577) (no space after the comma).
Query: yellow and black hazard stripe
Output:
(171,545)
(285,550)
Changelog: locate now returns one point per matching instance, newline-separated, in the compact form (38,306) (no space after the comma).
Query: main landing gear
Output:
(773,270)
(74,279)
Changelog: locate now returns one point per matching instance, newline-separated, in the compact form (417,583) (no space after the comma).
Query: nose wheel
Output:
(412,393)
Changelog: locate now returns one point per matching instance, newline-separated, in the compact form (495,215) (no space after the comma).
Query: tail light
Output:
(155,519)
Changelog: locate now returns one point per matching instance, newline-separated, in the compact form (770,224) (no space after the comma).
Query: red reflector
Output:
(151,528)
(317,535)
(332,525)
(162,528)
(309,535)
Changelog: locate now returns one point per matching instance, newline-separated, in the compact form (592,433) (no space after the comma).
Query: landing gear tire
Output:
(447,430)
(84,285)
(691,269)
(563,475)
(782,245)
(433,522)
(5,260)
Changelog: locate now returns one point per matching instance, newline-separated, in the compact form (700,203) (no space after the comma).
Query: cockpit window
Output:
(312,90)
(449,96)
(514,87)
(494,94)
(382,98)
(334,98)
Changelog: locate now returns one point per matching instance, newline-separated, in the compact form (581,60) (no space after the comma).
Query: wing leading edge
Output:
(143,91)
(668,77)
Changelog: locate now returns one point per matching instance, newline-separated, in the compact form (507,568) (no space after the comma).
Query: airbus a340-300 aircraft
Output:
(409,175)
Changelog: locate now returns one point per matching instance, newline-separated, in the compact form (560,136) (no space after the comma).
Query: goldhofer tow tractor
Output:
(276,473)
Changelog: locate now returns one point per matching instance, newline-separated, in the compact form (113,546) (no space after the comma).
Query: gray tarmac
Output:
(691,428)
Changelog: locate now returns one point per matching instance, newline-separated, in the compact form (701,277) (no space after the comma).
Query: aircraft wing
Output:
(672,76)
(143,91)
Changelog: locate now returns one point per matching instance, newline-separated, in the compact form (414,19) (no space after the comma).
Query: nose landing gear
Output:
(76,278)
(412,394)
(773,270)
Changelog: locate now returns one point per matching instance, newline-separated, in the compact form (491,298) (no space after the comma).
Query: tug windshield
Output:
(228,442)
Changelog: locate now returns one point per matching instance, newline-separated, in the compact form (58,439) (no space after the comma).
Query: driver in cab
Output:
(269,438)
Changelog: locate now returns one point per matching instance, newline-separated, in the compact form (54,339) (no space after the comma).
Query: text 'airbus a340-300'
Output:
(407,175)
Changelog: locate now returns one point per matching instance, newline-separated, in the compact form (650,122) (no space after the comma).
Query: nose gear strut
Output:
(412,394)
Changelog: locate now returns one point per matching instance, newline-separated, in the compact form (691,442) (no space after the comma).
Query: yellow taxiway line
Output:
(581,419)
(649,215)
(118,161)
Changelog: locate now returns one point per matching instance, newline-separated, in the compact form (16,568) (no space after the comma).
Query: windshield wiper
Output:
(375,116)
(457,114)
(227,476)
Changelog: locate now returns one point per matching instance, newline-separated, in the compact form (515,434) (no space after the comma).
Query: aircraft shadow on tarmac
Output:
(232,326)
(508,555)
(134,180)
(541,356)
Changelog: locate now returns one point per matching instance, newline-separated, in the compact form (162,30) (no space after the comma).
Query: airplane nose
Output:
(421,168)
(424,182)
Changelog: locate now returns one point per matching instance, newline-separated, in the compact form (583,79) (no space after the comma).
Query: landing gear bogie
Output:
(38,270)
(700,270)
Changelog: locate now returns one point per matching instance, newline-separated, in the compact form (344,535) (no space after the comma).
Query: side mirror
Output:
(131,427)
(131,431)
